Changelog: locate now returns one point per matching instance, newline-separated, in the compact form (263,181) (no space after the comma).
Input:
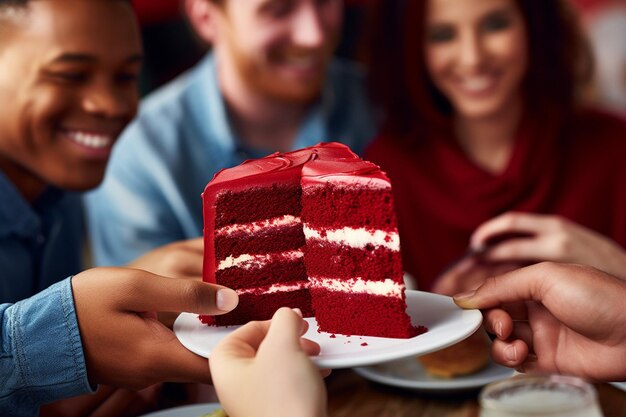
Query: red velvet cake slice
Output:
(352,252)
(253,235)
(317,223)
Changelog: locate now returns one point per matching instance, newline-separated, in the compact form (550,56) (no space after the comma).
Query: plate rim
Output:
(471,318)
(465,382)
(621,385)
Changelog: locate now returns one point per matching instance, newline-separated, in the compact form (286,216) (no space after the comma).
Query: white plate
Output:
(409,373)
(447,324)
(620,385)
(195,410)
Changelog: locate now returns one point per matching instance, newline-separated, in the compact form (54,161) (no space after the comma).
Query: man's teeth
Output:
(91,140)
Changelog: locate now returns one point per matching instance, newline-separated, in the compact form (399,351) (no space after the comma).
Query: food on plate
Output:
(466,357)
(314,229)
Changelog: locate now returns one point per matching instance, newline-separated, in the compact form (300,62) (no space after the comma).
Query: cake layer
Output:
(256,203)
(364,314)
(280,270)
(262,306)
(323,259)
(272,240)
(329,205)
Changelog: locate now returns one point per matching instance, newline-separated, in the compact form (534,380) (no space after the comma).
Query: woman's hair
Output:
(7,4)
(559,61)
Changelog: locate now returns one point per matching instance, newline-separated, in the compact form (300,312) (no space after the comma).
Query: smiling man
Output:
(68,87)
(270,84)
(65,97)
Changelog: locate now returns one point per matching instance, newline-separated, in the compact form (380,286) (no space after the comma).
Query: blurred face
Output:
(67,88)
(476,54)
(279,48)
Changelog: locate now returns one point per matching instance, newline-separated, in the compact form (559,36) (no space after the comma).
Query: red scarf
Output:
(575,169)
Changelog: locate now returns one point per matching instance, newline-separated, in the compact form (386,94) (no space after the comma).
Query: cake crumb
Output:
(364,344)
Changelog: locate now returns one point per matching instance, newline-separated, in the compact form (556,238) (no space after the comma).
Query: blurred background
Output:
(171,47)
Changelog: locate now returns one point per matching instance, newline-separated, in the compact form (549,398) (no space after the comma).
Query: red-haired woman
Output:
(487,147)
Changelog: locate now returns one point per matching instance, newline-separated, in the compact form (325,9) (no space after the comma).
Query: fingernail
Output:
(226,299)
(498,329)
(297,311)
(464,295)
(510,353)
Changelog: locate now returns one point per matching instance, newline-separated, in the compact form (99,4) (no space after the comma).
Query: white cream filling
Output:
(388,287)
(247,261)
(356,238)
(257,226)
(358,285)
(276,288)
(346,181)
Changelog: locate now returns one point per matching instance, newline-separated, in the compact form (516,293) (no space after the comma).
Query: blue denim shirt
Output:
(40,242)
(40,245)
(181,138)
(41,354)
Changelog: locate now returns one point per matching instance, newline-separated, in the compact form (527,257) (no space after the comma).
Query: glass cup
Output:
(546,396)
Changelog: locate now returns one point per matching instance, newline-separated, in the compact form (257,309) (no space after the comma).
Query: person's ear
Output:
(202,15)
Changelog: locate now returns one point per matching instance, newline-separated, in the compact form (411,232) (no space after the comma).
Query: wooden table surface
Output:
(350,395)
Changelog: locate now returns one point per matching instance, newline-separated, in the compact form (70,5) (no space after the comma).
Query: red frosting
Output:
(320,170)
(278,166)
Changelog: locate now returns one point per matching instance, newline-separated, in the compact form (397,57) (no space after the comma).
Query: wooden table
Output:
(350,395)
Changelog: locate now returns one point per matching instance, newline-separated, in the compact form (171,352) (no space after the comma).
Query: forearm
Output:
(42,358)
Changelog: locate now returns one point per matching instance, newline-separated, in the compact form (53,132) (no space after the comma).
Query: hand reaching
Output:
(556,318)
(263,369)
(124,344)
(548,238)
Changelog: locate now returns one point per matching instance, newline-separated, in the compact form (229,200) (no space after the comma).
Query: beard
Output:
(273,76)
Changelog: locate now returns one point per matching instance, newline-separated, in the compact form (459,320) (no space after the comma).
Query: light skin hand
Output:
(557,318)
(123,343)
(552,238)
(273,361)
